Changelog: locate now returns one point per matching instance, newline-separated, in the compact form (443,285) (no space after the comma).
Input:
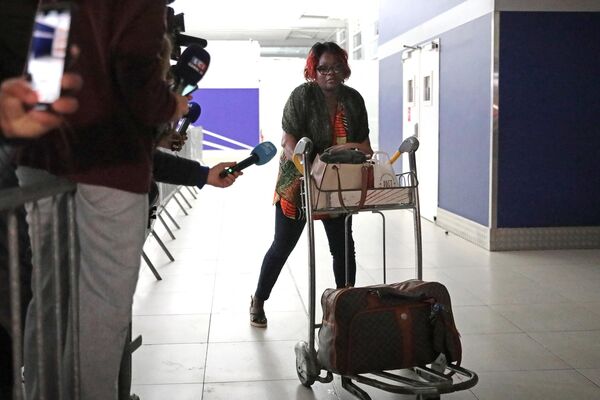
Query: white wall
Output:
(237,64)
(365,79)
(279,76)
(233,64)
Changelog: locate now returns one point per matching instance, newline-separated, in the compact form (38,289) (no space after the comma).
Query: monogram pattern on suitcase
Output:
(379,328)
(446,336)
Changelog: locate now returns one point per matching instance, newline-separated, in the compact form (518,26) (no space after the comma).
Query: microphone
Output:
(409,144)
(191,117)
(190,68)
(261,154)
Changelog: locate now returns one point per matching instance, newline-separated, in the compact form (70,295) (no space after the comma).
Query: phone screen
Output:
(48,52)
(189,89)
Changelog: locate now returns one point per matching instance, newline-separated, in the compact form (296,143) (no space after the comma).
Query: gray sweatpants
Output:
(110,230)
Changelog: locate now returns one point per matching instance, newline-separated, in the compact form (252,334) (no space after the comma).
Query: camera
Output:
(175,27)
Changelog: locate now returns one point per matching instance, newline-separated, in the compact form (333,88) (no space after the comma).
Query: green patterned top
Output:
(306,115)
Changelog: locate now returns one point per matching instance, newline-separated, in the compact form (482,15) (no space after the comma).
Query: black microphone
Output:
(187,40)
(190,68)
(261,154)
(189,118)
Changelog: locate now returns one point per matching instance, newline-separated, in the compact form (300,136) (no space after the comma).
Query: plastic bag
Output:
(383,172)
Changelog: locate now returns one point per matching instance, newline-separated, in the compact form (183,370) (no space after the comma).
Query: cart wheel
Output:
(305,364)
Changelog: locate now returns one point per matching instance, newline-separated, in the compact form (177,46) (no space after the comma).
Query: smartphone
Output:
(48,51)
(189,89)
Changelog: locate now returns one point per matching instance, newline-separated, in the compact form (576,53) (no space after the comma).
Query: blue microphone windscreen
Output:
(194,112)
(265,152)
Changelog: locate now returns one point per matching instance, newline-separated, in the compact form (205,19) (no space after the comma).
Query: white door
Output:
(421,118)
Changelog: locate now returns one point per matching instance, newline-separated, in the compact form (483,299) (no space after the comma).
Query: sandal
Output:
(257,313)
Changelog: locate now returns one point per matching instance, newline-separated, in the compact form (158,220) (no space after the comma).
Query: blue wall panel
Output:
(232,113)
(465,114)
(549,143)
(390,105)
(399,16)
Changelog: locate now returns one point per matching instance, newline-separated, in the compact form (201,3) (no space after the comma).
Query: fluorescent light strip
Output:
(217,146)
(226,139)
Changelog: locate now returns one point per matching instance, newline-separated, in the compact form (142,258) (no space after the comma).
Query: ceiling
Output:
(282,28)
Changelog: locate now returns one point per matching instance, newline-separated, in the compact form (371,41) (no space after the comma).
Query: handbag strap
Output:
(363,190)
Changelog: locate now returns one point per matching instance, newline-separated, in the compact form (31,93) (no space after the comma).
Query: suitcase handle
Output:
(391,292)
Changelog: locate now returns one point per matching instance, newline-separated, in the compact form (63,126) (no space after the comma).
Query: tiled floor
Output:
(530,321)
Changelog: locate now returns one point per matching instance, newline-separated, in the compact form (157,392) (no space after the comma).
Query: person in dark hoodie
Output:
(106,149)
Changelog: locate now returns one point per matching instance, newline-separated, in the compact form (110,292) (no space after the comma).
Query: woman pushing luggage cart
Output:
(400,338)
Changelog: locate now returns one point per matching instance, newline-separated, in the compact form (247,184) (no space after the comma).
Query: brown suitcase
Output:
(446,336)
(377,328)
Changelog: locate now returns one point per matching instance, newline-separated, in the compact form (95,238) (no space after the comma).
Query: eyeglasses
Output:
(325,69)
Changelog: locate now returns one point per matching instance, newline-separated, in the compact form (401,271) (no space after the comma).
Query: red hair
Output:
(315,53)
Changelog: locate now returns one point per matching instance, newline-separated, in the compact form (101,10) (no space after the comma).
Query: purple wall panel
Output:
(232,113)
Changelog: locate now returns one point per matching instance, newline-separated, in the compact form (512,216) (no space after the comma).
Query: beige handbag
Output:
(338,185)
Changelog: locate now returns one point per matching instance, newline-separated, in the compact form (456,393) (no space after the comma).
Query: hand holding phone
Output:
(19,120)
(49,51)
(189,89)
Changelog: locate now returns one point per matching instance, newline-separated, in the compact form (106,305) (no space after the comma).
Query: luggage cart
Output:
(422,381)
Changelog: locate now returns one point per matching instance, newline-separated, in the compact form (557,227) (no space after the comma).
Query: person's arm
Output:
(168,168)
(19,120)
(292,122)
(288,142)
(138,40)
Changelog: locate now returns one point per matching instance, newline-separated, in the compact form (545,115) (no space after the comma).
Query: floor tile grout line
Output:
(549,350)
(586,378)
(289,270)
(212,303)
(214,284)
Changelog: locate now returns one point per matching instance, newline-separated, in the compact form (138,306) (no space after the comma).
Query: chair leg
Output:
(151,266)
(162,220)
(171,218)
(184,198)
(125,372)
(180,205)
(192,192)
(162,246)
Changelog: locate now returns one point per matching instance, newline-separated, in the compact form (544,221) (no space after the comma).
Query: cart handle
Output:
(409,145)
(302,149)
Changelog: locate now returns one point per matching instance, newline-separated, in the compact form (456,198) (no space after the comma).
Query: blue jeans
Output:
(287,233)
